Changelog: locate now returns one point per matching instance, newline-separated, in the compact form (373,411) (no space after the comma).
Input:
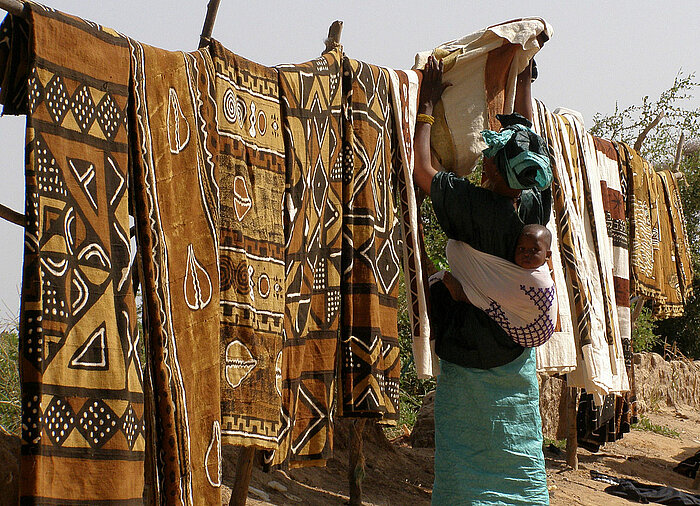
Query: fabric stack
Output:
(612,212)
(263,204)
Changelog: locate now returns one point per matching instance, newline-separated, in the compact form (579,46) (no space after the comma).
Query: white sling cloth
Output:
(522,301)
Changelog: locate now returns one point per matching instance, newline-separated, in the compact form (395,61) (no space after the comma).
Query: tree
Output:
(659,127)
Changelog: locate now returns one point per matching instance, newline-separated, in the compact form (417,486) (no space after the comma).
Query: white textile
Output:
(463,111)
(522,301)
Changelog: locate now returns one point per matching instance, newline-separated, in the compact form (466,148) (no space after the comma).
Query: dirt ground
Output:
(400,475)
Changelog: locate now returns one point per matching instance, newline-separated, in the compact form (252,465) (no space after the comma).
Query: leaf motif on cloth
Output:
(239,363)
(215,442)
(197,284)
(178,127)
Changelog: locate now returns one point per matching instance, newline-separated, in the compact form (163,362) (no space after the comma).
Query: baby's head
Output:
(533,247)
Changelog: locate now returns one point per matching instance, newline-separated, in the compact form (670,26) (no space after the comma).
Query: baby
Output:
(521,298)
(533,247)
(531,251)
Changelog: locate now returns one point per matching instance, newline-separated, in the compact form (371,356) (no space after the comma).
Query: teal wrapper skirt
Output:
(488,435)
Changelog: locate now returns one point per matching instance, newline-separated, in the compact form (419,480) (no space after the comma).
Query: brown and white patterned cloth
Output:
(369,361)
(82,396)
(310,96)
(174,115)
(250,161)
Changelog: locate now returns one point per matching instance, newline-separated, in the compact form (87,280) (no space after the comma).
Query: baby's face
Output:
(531,252)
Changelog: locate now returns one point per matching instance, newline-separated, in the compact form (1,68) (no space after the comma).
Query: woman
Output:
(488,434)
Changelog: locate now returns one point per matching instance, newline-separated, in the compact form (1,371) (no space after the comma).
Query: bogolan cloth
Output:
(404,95)
(522,301)
(618,237)
(558,355)
(310,98)
(82,396)
(678,273)
(679,234)
(369,361)
(601,246)
(483,68)
(251,168)
(642,212)
(174,116)
(594,371)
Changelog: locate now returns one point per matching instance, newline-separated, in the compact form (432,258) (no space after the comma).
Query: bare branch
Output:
(645,132)
(679,153)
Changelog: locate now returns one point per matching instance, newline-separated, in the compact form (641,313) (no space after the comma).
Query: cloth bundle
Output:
(482,68)
(586,254)
(489,281)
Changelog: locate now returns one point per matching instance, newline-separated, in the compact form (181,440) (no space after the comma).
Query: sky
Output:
(601,54)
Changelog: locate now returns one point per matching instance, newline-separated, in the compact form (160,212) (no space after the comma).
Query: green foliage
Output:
(659,145)
(663,430)
(9,379)
(643,337)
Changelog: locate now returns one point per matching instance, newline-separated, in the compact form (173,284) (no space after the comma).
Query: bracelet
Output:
(425,118)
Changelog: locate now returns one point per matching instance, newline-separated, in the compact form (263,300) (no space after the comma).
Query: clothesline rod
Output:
(14,7)
(208,27)
(11,215)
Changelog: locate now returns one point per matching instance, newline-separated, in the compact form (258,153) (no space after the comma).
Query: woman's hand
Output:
(432,86)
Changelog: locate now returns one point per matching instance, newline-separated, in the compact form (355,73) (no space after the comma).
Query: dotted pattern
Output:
(97,422)
(56,99)
(538,331)
(31,420)
(109,117)
(332,303)
(60,420)
(83,108)
(320,273)
(130,425)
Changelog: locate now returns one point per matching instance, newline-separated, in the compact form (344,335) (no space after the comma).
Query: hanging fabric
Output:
(82,395)
(174,150)
(310,96)
(369,361)
(251,168)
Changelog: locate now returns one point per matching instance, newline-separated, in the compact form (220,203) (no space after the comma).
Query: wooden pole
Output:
(571,434)
(14,7)
(12,216)
(244,471)
(208,27)
(334,33)
(356,469)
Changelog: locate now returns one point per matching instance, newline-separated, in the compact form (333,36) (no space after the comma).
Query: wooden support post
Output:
(244,471)
(208,27)
(14,7)
(334,32)
(571,435)
(356,469)
(12,216)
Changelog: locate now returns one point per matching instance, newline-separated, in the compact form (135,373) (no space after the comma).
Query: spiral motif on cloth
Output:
(230,106)
(242,278)
(228,272)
